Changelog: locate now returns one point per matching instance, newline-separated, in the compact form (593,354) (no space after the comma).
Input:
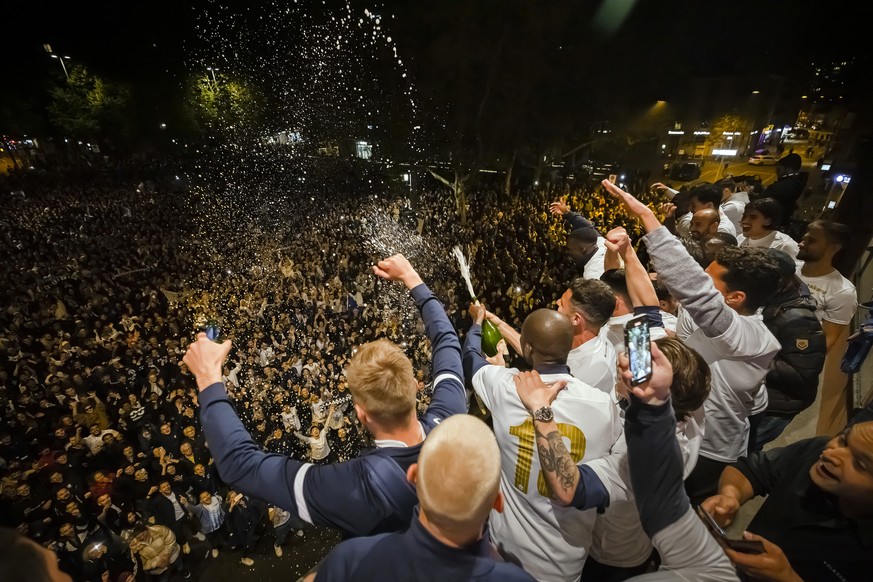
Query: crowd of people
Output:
(118,455)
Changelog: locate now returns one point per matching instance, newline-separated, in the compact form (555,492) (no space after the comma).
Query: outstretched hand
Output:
(398,268)
(205,358)
(533,392)
(656,390)
(634,207)
(559,207)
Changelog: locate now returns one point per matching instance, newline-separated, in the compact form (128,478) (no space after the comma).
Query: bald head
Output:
(704,222)
(458,474)
(546,337)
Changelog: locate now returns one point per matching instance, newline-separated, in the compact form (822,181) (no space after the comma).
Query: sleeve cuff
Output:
(420,292)
(212,393)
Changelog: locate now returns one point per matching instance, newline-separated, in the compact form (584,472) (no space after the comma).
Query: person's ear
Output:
(498,502)
(412,473)
(735,299)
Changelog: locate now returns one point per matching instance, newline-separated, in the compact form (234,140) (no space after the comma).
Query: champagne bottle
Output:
(491,336)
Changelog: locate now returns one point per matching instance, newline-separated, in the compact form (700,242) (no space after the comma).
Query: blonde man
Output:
(458,481)
(366,495)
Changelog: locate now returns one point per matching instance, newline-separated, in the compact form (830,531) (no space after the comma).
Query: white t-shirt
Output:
(774,240)
(594,363)
(835,297)
(619,539)
(738,360)
(614,330)
(550,541)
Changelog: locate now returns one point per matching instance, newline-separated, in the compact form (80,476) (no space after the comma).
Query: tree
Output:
(88,106)
(221,103)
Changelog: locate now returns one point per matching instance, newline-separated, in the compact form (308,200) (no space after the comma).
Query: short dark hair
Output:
(837,233)
(585,235)
(729,184)
(707,194)
(616,280)
(727,238)
(661,290)
(20,559)
(770,208)
(752,271)
(593,299)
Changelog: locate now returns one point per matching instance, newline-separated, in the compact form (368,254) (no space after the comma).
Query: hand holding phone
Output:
(743,546)
(638,348)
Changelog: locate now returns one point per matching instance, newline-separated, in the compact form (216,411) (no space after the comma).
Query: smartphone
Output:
(639,350)
(744,546)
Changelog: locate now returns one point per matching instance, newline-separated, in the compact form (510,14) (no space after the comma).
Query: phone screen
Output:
(613,178)
(639,350)
(212,329)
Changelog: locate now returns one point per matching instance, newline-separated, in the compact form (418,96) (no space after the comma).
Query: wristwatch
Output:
(543,414)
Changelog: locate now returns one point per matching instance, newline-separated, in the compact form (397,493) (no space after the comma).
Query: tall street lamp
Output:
(212,70)
(63,66)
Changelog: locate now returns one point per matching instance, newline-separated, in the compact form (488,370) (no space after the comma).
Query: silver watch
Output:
(543,414)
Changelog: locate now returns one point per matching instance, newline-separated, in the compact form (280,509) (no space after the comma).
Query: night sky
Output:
(151,45)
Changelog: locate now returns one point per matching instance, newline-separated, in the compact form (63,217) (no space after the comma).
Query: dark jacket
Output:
(792,381)
(787,191)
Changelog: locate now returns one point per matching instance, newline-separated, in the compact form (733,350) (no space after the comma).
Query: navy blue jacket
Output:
(363,496)
(415,555)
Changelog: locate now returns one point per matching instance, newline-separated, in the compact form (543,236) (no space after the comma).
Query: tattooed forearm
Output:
(558,467)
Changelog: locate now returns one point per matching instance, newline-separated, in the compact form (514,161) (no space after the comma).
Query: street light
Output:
(63,66)
(212,70)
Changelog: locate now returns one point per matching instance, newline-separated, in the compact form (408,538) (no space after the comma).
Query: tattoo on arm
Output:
(557,464)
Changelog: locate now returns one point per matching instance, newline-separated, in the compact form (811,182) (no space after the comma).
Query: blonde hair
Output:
(458,473)
(381,381)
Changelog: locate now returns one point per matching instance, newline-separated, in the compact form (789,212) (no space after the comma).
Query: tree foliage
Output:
(88,106)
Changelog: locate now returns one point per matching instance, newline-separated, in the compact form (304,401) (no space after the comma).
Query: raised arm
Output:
(474,359)
(574,220)
(447,370)
(685,279)
(241,462)
(639,284)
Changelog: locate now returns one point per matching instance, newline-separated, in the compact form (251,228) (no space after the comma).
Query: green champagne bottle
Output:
(491,336)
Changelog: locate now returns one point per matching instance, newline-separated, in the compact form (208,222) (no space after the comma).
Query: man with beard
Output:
(818,515)
(836,302)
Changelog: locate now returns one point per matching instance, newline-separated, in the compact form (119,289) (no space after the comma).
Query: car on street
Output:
(763,160)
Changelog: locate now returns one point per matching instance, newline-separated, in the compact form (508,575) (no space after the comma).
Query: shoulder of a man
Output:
(356,495)
(342,562)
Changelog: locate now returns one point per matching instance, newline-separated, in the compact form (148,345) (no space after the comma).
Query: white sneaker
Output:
(199,536)
(214,552)
(246,561)
(278,551)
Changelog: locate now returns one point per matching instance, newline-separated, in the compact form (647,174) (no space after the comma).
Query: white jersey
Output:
(594,363)
(835,297)
(619,539)
(550,541)
(734,207)
(774,240)
(738,360)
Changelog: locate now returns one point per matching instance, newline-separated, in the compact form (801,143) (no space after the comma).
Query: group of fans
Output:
(118,460)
